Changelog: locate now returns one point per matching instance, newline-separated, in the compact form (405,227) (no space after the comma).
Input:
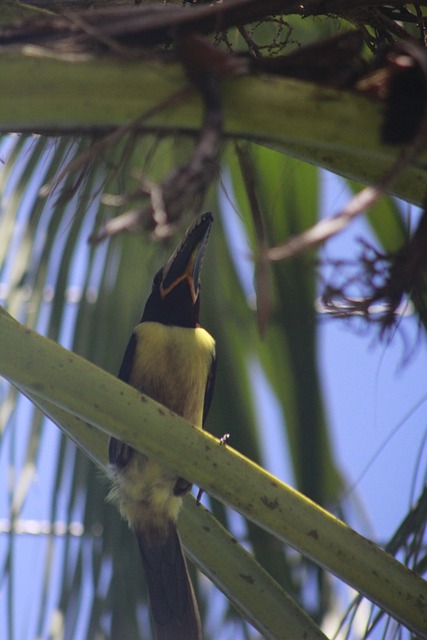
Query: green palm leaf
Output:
(88,297)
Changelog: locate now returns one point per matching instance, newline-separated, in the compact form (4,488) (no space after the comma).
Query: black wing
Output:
(127,362)
(119,453)
(210,386)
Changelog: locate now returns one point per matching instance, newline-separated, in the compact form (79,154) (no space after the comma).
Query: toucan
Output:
(170,358)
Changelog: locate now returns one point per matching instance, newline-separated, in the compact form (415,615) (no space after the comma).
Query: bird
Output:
(172,359)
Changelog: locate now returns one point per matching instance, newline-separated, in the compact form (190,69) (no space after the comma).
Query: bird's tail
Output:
(174,611)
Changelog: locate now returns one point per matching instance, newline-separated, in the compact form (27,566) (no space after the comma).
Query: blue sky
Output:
(376,395)
(369,391)
(376,398)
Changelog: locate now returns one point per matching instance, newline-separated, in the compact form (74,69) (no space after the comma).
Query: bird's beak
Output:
(186,261)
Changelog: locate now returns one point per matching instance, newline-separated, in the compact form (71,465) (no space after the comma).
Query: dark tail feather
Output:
(174,611)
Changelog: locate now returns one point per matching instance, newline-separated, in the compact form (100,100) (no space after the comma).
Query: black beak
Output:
(186,261)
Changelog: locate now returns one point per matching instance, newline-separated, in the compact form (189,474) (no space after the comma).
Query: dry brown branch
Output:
(414,57)
(382,281)
(143,26)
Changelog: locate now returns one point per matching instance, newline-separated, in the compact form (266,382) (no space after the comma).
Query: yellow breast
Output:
(172,365)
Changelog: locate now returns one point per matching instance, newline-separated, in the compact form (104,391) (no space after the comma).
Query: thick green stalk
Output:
(50,373)
(212,549)
(335,129)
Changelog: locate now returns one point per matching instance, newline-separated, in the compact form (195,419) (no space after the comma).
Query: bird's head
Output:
(174,299)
